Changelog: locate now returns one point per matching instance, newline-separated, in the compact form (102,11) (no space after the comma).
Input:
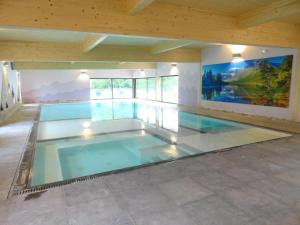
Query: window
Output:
(169,86)
(151,88)
(100,88)
(122,88)
(141,88)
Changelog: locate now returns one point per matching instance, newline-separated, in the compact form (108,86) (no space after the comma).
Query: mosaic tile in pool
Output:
(78,140)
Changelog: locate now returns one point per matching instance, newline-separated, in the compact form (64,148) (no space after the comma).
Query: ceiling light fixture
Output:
(174,69)
(83,75)
(237,57)
(143,73)
(237,48)
(237,51)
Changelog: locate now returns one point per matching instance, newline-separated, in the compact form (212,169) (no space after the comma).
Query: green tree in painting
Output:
(265,84)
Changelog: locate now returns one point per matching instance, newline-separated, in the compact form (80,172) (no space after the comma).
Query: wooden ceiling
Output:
(227,7)
(155,27)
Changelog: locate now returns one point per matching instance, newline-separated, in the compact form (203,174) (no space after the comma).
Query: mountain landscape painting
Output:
(260,81)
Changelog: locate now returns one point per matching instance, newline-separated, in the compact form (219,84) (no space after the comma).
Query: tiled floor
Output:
(257,184)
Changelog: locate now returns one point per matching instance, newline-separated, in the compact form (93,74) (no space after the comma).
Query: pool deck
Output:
(262,121)
(257,184)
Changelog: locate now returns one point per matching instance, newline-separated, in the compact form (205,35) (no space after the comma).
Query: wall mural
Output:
(259,81)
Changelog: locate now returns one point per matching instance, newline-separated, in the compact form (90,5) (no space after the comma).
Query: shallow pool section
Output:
(78,157)
(95,138)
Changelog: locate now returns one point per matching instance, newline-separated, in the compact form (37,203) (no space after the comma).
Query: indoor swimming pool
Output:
(78,140)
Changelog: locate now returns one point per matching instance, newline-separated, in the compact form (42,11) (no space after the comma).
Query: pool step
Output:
(188,149)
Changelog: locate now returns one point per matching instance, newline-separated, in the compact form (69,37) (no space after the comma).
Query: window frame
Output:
(112,87)
(134,88)
(141,78)
(161,88)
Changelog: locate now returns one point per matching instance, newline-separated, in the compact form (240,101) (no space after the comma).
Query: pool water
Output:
(82,139)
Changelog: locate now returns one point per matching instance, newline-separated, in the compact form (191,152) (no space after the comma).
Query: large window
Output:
(100,88)
(169,86)
(110,88)
(122,88)
(151,88)
(145,88)
(141,88)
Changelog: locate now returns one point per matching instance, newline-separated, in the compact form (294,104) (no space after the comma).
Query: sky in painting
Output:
(227,67)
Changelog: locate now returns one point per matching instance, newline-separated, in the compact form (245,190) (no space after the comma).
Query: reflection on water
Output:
(160,116)
(163,117)
(225,93)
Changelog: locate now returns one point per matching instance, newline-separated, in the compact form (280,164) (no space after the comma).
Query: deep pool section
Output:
(65,111)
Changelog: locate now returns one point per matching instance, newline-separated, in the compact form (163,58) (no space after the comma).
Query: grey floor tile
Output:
(184,190)
(104,211)
(85,191)
(284,160)
(243,158)
(215,211)
(253,202)
(3,195)
(170,217)
(280,189)
(188,167)
(292,176)
(283,218)
(37,202)
(244,174)
(215,161)
(217,181)
(265,166)
(256,163)
(162,173)
(144,200)
(3,212)
(127,180)
(43,218)
(294,154)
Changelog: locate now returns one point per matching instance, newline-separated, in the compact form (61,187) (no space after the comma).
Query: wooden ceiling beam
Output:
(36,52)
(92,41)
(273,12)
(169,46)
(160,20)
(137,6)
(80,65)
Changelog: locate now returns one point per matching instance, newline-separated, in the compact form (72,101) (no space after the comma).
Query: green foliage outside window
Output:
(100,83)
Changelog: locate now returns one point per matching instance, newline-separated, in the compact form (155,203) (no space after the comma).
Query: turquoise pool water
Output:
(82,139)
(80,157)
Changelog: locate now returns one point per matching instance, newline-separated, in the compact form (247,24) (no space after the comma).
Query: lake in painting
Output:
(259,81)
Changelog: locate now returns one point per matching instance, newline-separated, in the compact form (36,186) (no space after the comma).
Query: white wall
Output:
(64,85)
(222,54)
(189,81)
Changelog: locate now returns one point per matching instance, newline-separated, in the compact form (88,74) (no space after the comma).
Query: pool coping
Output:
(24,168)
